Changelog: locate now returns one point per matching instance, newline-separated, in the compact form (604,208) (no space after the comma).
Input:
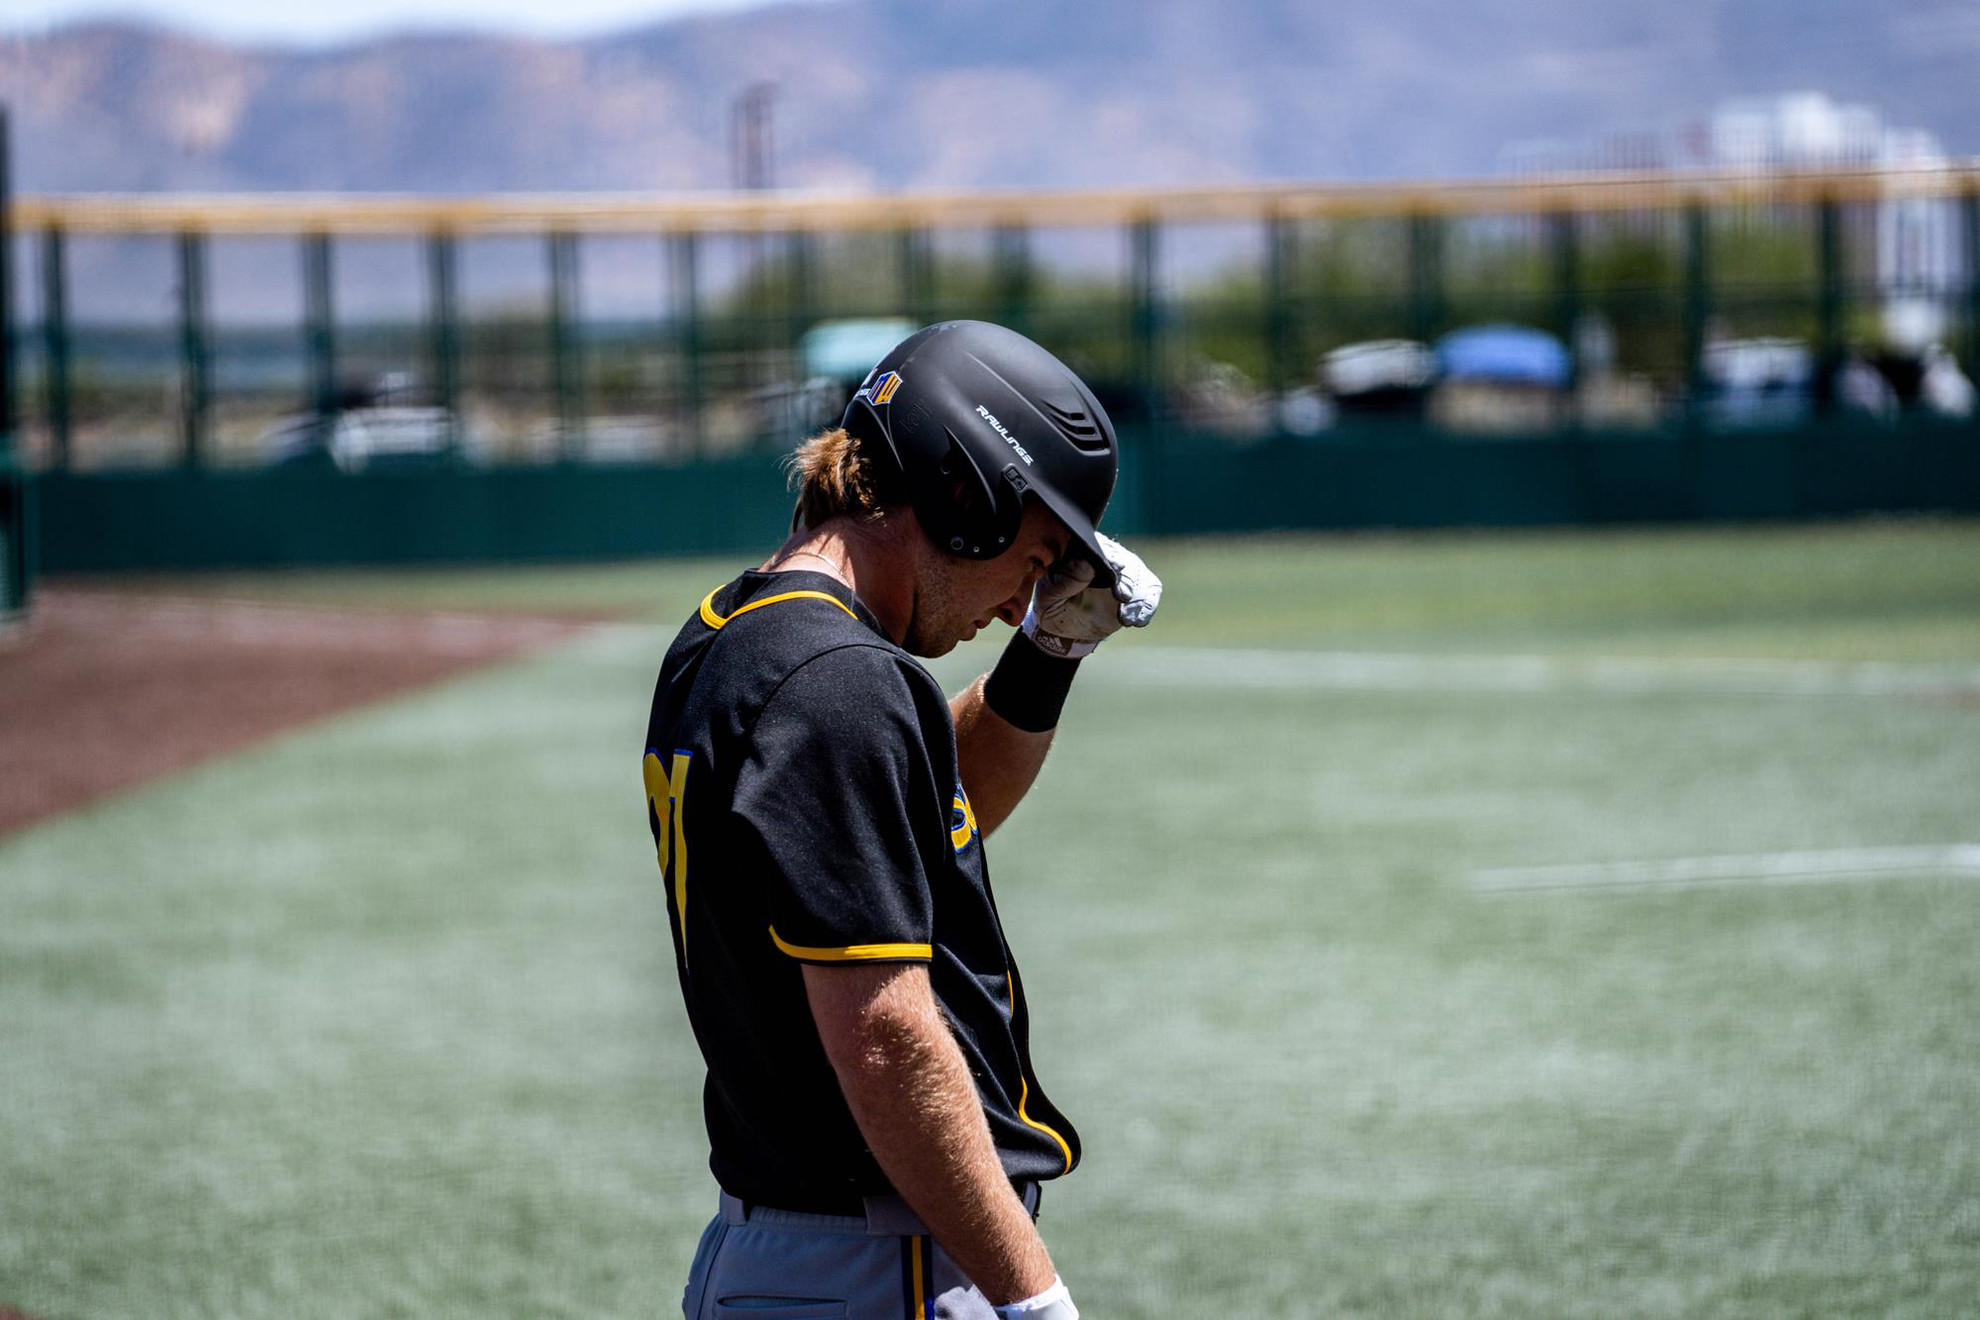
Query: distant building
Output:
(1800,130)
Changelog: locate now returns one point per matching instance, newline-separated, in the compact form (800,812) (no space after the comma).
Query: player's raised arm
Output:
(1005,720)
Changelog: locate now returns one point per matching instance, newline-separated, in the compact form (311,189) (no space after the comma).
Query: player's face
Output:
(958,598)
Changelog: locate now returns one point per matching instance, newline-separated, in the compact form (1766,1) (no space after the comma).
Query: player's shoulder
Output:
(859,704)
(765,628)
(791,613)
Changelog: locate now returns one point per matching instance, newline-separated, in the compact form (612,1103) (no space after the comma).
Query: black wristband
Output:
(1027,688)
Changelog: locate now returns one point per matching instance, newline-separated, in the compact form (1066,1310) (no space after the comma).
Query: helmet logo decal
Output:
(880,391)
(998,427)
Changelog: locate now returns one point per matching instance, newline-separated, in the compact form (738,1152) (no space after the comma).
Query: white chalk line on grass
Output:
(1363,671)
(1804,866)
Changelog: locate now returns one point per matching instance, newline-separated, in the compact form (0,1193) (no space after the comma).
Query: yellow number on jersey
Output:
(665,793)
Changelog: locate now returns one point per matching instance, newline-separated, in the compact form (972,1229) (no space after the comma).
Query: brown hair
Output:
(834,480)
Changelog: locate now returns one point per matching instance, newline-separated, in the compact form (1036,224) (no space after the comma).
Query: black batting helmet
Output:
(970,404)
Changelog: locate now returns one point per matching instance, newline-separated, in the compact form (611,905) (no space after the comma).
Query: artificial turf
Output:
(378,1018)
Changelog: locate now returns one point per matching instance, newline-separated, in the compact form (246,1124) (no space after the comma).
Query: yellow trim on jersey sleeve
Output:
(714,620)
(1024,1093)
(853,952)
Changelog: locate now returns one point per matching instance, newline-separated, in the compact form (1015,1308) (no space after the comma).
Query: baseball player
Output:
(820,810)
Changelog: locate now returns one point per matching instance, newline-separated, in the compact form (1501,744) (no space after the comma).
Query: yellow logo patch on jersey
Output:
(962,820)
(666,794)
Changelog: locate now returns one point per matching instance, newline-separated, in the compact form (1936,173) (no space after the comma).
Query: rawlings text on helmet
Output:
(998,427)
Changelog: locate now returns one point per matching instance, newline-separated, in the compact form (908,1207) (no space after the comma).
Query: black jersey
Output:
(803,795)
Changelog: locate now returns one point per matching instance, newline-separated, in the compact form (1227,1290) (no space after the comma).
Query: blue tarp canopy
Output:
(1507,354)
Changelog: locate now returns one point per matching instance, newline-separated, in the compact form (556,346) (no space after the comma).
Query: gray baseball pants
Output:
(756,1263)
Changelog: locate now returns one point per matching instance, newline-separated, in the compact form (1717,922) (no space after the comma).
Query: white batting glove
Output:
(1055,1303)
(1069,616)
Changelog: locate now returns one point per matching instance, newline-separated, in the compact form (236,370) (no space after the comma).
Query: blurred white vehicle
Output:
(357,437)
(368,425)
(1758,382)
(1944,388)
(1378,365)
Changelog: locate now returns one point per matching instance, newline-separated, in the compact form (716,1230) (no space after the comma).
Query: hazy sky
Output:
(249,20)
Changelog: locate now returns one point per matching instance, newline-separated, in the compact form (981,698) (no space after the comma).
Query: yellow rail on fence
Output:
(380,213)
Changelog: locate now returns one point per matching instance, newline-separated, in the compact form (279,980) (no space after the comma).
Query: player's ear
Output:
(963,495)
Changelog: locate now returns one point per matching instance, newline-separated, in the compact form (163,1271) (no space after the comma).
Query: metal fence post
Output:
(1565,240)
(1279,354)
(800,310)
(194,390)
(1010,260)
(801,293)
(20,539)
(55,344)
(1426,276)
(1829,305)
(10,412)
(1143,238)
(1697,308)
(687,336)
(566,362)
(916,295)
(1970,212)
(320,332)
(443,320)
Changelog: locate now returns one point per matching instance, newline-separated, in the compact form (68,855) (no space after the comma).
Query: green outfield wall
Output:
(1178,484)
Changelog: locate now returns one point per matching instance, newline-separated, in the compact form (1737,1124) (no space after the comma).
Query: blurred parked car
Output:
(1862,388)
(368,424)
(1758,383)
(1943,388)
(1306,412)
(1379,376)
(1501,380)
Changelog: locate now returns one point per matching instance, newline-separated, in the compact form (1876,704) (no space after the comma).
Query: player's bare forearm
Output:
(998,761)
(910,1091)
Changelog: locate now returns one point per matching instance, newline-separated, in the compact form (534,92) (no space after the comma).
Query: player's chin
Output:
(970,631)
(927,647)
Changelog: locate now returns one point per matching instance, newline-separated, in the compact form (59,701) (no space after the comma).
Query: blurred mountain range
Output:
(886,94)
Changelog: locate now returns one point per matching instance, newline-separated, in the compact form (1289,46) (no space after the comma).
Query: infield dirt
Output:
(101,691)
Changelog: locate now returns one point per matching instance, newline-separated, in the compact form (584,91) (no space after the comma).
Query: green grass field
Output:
(379,1019)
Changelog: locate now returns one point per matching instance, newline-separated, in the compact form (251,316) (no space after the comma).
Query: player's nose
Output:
(1014,606)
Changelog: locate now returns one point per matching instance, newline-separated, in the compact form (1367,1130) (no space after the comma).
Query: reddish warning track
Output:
(100,691)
